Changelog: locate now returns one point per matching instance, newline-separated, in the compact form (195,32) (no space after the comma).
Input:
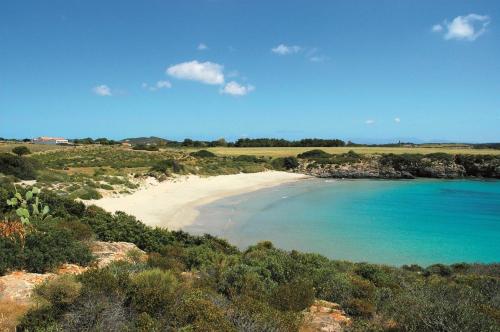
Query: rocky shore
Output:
(403,167)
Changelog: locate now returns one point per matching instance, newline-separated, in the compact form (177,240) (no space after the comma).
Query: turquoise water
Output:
(392,222)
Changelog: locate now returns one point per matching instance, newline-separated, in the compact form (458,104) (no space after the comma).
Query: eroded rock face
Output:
(18,285)
(108,252)
(325,316)
(374,167)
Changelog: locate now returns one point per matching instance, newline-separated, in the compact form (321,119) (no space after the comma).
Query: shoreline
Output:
(173,203)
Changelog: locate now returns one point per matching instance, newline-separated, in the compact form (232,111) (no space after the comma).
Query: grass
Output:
(8,146)
(293,151)
(10,313)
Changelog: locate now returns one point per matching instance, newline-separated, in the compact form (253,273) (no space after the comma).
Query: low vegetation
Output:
(21,150)
(202,283)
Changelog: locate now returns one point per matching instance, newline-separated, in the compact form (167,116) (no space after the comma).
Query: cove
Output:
(377,221)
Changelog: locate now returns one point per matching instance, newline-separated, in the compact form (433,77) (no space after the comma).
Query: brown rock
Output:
(108,252)
(324,316)
(17,286)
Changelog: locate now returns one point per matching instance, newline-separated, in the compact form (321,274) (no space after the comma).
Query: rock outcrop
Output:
(324,316)
(403,167)
(18,285)
(108,252)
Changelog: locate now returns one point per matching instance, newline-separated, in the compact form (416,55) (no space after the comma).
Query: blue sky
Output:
(362,70)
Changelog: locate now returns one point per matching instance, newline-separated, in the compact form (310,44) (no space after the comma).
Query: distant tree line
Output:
(102,141)
(275,142)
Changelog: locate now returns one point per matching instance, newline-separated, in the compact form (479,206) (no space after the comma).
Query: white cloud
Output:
(283,49)
(102,90)
(204,72)
(437,27)
(163,85)
(369,122)
(202,47)
(157,86)
(235,89)
(397,120)
(468,27)
(318,58)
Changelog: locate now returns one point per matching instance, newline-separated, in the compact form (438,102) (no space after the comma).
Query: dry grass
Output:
(10,313)
(293,151)
(7,147)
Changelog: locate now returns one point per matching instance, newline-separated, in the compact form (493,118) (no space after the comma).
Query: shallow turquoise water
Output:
(393,222)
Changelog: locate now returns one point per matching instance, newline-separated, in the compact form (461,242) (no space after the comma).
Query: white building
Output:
(50,140)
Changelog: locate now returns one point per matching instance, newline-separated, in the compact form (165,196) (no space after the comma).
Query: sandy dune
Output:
(173,203)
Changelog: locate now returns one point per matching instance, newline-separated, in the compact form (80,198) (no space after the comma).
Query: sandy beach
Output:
(173,203)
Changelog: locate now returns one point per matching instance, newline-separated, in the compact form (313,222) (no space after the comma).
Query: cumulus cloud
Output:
(102,90)
(369,122)
(204,72)
(283,49)
(202,47)
(235,89)
(468,27)
(157,86)
(397,120)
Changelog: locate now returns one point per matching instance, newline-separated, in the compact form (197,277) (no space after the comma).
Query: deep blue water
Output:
(378,221)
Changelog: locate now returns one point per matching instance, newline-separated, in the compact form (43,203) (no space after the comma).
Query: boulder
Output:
(324,316)
(108,252)
(18,285)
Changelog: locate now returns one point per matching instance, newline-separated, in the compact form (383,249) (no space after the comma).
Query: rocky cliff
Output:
(402,166)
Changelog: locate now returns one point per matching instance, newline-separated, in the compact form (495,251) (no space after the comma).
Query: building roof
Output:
(46,138)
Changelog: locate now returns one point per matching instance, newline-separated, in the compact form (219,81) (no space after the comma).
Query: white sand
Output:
(173,204)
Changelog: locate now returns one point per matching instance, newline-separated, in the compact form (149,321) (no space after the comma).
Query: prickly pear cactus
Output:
(28,206)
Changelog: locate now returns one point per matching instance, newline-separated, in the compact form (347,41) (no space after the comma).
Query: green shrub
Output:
(439,269)
(438,306)
(86,193)
(285,163)
(212,318)
(296,295)
(249,159)
(11,255)
(17,166)
(146,147)
(314,154)
(106,186)
(59,292)
(153,291)
(203,154)
(168,165)
(51,246)
(360,307)
(122,227)
(21,150)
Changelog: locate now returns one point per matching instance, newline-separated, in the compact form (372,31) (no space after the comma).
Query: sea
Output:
(395,222)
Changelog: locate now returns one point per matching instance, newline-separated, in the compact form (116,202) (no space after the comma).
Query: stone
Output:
(324,316)
(108,252)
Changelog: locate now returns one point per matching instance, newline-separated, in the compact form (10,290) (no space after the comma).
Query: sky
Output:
(368,71)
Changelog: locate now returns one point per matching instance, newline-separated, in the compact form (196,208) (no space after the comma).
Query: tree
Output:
(21,150)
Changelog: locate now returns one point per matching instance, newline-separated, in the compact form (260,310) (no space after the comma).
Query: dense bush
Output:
(202,283)
(285,163)
(314,154)
(43,249)
(167,166)
(203,154)
(249,159)
(17,166)
(146,147)
(21,150)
